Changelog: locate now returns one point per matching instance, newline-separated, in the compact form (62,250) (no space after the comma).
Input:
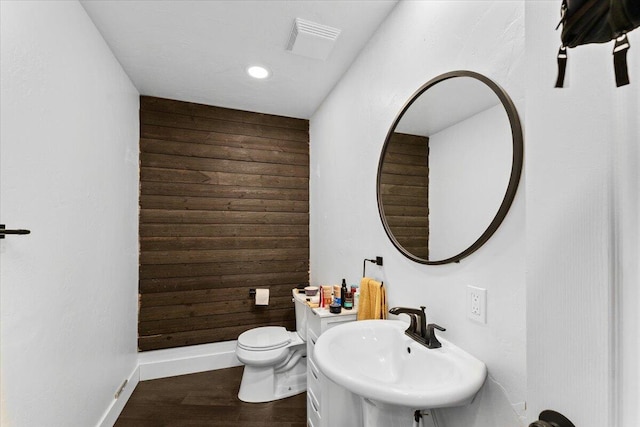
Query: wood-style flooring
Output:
(207,399)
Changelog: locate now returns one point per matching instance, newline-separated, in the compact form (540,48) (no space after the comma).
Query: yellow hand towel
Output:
(364,305)
(373,300)
(382,303)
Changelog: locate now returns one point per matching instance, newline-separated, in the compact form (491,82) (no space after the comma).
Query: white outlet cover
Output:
(476,305)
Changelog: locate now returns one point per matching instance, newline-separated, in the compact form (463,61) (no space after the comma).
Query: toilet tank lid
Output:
(264,338)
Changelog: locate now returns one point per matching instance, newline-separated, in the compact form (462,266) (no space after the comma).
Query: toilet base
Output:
(267,383)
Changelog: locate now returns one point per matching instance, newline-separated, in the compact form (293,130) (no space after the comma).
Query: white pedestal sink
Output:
(395,375)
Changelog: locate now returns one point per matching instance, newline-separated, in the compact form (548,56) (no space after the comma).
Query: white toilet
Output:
(274,358)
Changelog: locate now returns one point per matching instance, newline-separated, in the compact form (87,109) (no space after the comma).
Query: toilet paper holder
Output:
(260,296)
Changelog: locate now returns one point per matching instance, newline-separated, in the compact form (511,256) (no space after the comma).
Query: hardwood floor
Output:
(206,399)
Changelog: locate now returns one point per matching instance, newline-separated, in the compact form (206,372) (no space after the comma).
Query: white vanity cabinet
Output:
(327,404)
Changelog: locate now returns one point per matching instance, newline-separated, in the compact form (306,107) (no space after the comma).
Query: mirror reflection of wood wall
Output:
(404,186)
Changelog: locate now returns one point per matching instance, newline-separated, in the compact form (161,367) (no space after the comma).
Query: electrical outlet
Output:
(477,304)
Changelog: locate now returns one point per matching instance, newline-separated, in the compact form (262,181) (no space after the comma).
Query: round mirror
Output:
(449,168)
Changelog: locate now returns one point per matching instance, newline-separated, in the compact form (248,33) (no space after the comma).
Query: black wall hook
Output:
(4,231)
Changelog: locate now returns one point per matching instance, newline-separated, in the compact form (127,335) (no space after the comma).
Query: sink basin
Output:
(376,360)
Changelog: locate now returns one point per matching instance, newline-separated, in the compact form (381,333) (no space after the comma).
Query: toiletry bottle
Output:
(327,296)
(348,301)
(343,291)
(336,295)
(355,293)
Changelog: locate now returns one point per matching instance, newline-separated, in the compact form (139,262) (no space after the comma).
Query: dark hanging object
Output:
(549,418)
(598,21)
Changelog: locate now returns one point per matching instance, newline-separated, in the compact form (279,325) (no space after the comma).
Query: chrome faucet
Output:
(419,330)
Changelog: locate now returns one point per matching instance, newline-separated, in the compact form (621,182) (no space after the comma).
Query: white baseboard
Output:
(169,363)
(187,360)
(116,407)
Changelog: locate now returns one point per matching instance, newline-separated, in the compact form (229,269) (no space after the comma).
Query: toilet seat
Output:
(266,345)
(264,338)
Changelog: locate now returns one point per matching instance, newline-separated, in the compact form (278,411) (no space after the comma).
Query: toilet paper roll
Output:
(262,296)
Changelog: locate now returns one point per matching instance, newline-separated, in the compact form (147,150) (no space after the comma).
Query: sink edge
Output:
(385,393)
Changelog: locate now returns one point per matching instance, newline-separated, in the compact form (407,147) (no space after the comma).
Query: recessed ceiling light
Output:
(258,72)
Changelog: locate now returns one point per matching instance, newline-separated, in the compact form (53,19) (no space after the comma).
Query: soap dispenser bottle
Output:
(343,291)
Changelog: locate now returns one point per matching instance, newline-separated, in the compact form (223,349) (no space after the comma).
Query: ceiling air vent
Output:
(312,40)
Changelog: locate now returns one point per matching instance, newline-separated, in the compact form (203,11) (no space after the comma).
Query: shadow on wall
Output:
(490,408)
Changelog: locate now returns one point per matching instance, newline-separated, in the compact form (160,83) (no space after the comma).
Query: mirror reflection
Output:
(446,168)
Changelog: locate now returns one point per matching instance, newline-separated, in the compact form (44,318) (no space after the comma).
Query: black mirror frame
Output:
(514,179)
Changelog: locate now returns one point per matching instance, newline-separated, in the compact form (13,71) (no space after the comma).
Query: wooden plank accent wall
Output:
(224,207)
(405,191)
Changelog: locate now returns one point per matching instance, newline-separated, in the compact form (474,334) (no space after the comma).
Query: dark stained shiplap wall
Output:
(404,186)
(224,207)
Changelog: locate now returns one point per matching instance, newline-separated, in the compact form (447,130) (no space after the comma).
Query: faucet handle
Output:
(432,340)
(432,326)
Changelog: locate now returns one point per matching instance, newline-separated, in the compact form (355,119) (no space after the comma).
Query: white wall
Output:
(417,42)
(469,171)
(582,154)
(69,172)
